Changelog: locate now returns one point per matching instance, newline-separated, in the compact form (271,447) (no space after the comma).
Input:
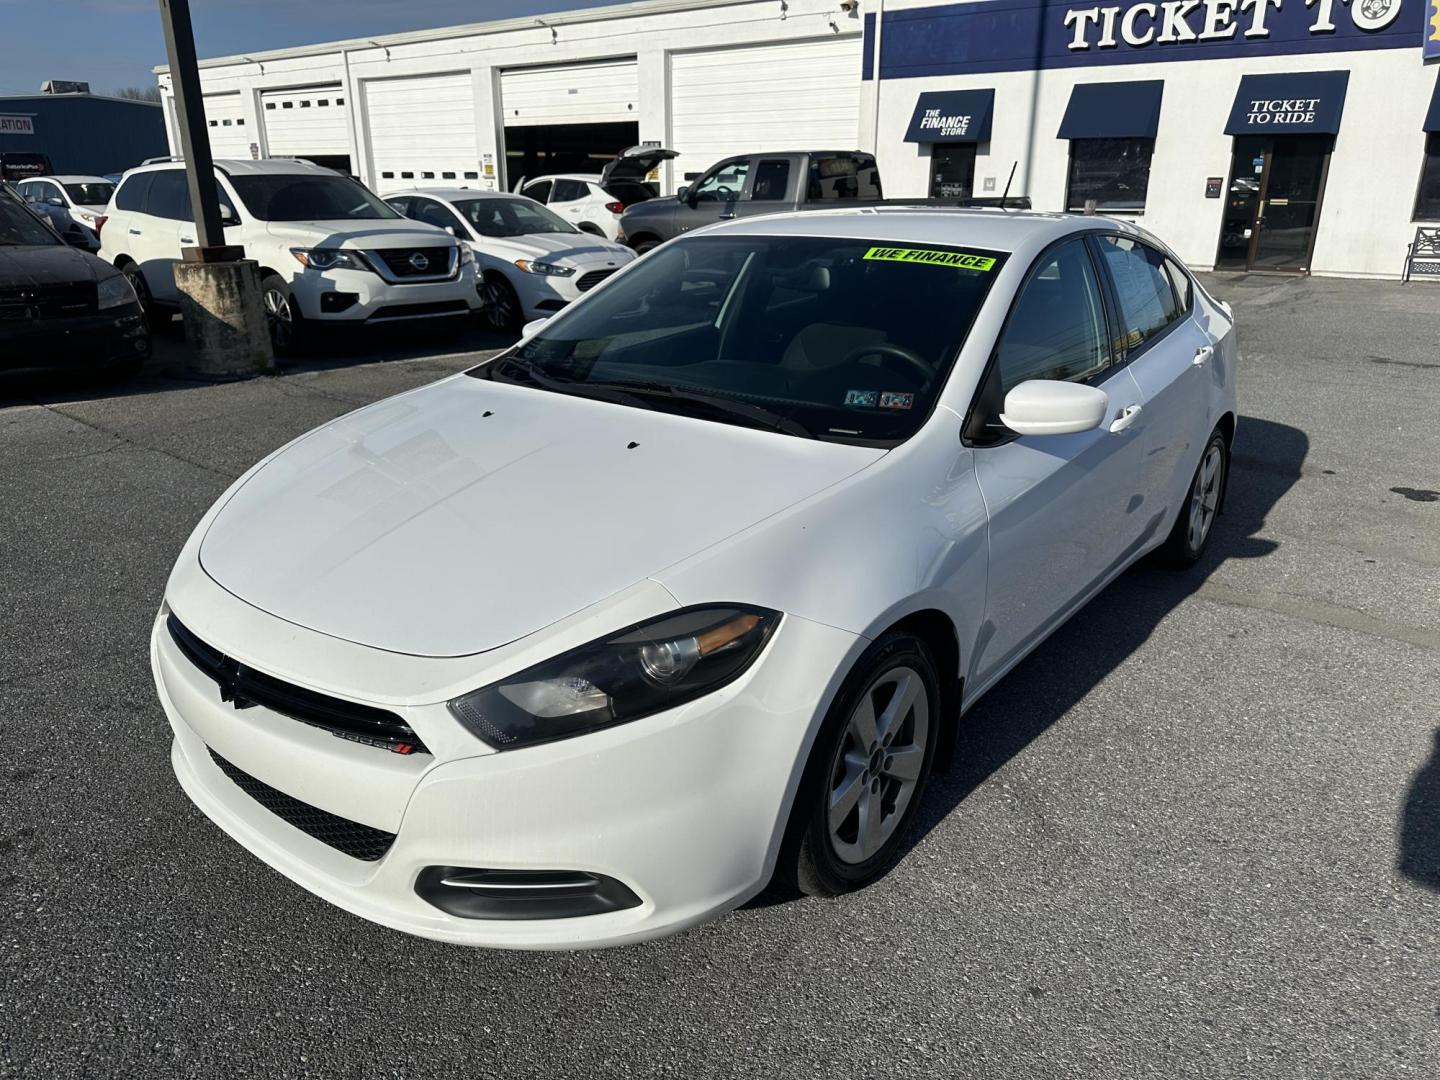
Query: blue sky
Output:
(114,43)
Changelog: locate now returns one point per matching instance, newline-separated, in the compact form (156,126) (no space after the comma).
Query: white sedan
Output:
(688,590)
(72,203)
(530,262)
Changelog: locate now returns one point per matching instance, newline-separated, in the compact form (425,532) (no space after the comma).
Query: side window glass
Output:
(772,178)
(836,178)
(400,205)
(432,213)
(539,191)
(169,196)
(1181,281)
(568,191)
(1057,329)
(133,190)
(1147,301)
(724,183)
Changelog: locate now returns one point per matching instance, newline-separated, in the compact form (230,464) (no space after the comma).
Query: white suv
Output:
(329,250)
(593,203)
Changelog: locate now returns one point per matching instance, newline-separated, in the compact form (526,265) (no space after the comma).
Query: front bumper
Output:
(684,808)
(367,297)
(100,340)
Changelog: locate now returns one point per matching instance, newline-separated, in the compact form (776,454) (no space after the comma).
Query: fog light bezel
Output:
(469,892)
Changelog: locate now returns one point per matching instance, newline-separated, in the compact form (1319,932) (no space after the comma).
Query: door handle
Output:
(728,217)
(1125,419)
(1205,352)
(187,239)
(134,232)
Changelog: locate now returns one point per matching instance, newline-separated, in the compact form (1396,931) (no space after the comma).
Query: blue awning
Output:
(1295,103)
(1122,110)
(1432,118)
(948,116)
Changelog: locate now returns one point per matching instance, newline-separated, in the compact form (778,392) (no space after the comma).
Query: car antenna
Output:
(1008,182)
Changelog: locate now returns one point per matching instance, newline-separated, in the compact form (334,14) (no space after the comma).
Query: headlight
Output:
(114,292)
(466,254)
(547,269)
(329,259)
(642,670)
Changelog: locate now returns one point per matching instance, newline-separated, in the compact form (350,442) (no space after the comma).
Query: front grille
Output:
(593,278)
(346,836)
(401,261)
(246,687)
(48,301)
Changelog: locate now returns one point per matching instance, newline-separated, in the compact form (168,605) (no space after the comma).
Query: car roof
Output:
(73,179)
(594,178)
(244,166)
(451,194)
(995,229)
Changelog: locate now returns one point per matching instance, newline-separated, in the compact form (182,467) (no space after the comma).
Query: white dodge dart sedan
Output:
(688,590)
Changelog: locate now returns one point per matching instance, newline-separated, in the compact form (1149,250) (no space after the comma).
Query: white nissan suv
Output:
(329,250)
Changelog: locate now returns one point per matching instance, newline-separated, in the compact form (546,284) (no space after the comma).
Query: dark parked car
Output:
(60,307)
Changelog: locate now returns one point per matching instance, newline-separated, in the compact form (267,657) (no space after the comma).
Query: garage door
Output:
(598,93)
(225,123)
(306,123)
(422,128)
(793,96)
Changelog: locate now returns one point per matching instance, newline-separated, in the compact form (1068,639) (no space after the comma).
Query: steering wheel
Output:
(890,350)
(721,191)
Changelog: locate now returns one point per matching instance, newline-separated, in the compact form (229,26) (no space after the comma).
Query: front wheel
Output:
(1191,534)
(282,316)
(867,771)
(155,318)
(502,311)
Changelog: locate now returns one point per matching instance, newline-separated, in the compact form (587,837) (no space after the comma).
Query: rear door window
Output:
(169,196)
(539,191)
(568,191)
(1147,300)
(133,190)
(772,180)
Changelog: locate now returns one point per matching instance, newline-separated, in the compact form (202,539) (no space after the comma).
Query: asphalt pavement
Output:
(1196,834)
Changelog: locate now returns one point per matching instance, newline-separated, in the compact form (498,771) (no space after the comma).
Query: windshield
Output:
(303,197)
(96,194)
(511,217)
(18,225)
(848,339)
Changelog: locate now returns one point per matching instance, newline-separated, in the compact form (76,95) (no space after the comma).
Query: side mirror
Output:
(1051,407)
(55,200)
(683,195)
(528,330)
(450,229)
(228,215)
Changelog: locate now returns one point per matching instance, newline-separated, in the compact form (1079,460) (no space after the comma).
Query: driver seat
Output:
(821,346)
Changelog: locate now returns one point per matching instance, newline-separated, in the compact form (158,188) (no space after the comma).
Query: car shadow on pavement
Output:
(1266,462)
(1420,824)
(165,370)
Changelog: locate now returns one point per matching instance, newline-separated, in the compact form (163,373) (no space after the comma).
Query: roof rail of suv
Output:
(161,160)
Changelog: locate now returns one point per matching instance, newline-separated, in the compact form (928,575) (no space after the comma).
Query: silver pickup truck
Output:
(755,184)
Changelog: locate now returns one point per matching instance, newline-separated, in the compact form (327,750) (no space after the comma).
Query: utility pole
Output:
(220,300)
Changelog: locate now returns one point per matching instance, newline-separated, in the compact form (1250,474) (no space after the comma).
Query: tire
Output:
(502,312)
(282,316)
(644,244)
(1195,523)
(825,854)
(156,318)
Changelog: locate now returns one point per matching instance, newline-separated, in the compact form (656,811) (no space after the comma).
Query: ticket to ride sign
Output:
(1432,29)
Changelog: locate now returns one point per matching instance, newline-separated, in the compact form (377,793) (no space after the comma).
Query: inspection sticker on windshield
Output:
(894,399)
(865,398)
(931,257)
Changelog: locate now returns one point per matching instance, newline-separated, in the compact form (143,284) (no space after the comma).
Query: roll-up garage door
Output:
(802,95)
(225,123)
(599,93)
(308,123)
(422,128)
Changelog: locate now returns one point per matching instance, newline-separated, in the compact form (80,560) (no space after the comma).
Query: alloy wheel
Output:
(1205,496)
(878,764)
(280,318)
(500,306)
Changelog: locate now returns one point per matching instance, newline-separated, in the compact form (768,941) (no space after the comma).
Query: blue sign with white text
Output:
(1024,35)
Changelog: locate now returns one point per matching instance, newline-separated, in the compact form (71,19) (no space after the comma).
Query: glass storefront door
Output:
(1272,203)
(952,171)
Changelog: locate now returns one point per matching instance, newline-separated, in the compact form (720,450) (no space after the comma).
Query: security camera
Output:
(849,6)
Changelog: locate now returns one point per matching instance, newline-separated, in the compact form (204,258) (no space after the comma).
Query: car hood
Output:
(358,235)
(467,514)
(554,247)
(26,266)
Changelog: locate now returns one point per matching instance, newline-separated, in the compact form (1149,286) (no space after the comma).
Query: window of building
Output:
(447,176)
(407,176)
(269,105)
(1427,200)
(1057,328)
(387,176)
(339,101)
(952,171)
(1115,173)
(427,176)
(239,121)
(472,176)
(305,104)
(322,102)
(1147,299)
(772,180)
(287,104)
(224,123)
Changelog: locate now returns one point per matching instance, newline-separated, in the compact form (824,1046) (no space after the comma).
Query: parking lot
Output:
(1197,833)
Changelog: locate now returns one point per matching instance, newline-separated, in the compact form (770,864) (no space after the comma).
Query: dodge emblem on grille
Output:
(419,261)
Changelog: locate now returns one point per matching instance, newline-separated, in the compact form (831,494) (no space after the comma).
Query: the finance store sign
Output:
(1021,35)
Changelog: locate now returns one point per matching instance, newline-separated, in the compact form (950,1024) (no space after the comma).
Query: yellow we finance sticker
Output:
(931,257)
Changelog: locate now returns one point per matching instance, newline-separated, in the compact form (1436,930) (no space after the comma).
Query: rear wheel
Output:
(282,316)
(502,306)
(867,771)
(1190,536)
(643,244)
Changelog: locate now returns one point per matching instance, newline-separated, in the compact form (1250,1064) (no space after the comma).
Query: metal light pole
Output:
(219,288)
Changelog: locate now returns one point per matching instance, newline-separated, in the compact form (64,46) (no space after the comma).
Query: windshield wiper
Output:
(563,384)
(757,414)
